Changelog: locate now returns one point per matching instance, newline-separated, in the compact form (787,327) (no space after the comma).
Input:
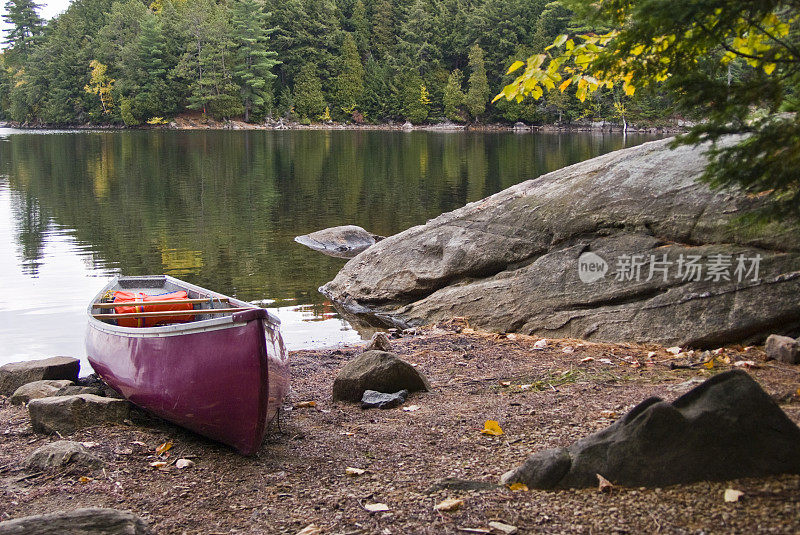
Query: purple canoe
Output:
(222,375)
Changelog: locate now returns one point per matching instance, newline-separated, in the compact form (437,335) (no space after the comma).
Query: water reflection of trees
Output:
(221,208)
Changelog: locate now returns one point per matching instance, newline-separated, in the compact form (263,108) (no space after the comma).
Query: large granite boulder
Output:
(626,246)
(61,453)
(726,428)
(90,521)
(342,242)
(16,374)
(38,389)
(379,371)
(66,414)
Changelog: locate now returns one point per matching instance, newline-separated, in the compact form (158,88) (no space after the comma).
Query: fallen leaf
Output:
(709,365)
(474,530)
(353,472)
(84,479)
(491,427)
(511,336)
(651,354)
(89,444)
(568,349)
(411,408)
(139,443)
(733,495)
(604,484)
(674,350)
(540,344)
(505,383)
(158,464)
(450,504)
(376,507)
(606,361)
(797,393)
(608,414)
(311,529)
(525,387)
(164,448)
(518,486)
(587,359)
(305,404)
(184,463)
(506,529)
(745,364)
(348,433)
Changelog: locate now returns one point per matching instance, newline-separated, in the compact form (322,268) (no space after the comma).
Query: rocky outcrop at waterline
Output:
(345,241)
(626,246)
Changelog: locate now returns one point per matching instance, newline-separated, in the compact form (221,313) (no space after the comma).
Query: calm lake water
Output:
(221,208)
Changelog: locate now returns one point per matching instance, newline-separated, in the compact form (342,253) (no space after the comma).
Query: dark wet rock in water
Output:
(16,374)
(379,371)
(379,400)
(61,453)
(379,342)
(90,521)
(38,389)
(342,242)
(783,349)
(66,414)
(597,250)
(726,428)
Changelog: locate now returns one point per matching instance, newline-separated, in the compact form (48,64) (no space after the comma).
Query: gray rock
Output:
(38,389)
(60,453)
(67,413)
(510,262)
(726,428)
(379,400)
(783,348)
(342,242)
(72,390)
(90,521)
(379,371)
(379,342)
(16,374)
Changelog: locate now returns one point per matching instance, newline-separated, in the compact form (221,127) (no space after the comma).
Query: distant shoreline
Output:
(183,123)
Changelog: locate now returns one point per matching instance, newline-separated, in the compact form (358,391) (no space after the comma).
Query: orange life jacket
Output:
(131,297)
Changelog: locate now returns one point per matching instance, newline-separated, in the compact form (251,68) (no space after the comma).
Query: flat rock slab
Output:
(726,428)
(16,374)
(38,389)
(66,414)
(379,400)
(783,349)
(61,453)
(346,241)
(628,246)
(376,370)
(91,521)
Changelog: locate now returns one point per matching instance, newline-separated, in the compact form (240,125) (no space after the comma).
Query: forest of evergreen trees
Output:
(365,61)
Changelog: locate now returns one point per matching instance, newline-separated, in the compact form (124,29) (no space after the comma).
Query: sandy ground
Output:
(541,398)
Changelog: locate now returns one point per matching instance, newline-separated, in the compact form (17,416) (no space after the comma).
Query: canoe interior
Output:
(155,285)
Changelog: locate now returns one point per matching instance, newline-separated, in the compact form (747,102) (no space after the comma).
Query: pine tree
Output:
(349,84)
(25,28)
(454,97)
(253,70)
(360,25)
(478,92)
(383,35)
(308,96)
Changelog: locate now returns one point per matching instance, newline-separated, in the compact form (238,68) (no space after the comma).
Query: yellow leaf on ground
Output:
(491,427)
(450,504)
(163,448)
(84,479)
(305,404)
(518,486)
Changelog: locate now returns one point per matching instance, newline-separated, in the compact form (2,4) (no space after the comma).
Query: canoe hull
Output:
(224,380)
